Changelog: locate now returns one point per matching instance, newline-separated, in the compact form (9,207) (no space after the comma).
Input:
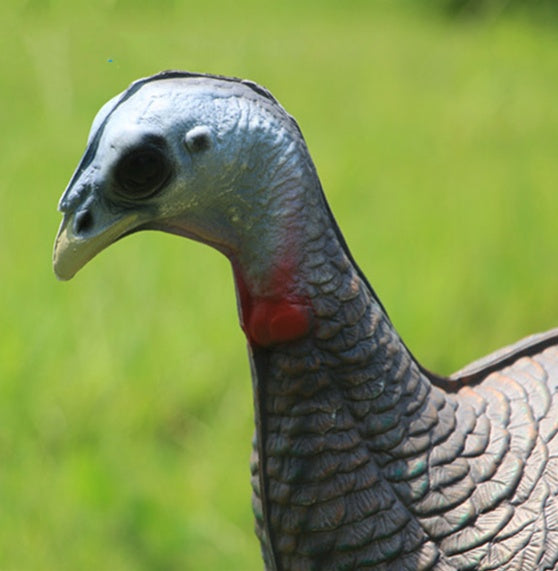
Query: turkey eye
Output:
(142,172)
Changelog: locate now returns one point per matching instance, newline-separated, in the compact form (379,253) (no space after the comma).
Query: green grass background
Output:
(125,399)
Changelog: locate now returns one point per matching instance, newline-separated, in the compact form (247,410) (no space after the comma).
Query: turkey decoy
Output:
(362,458)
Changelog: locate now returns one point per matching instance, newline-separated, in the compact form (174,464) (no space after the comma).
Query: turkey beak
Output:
(85,231)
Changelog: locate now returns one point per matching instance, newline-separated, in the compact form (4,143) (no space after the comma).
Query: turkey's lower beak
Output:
(79,239)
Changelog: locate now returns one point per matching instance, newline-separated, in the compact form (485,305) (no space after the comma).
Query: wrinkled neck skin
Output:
(282,214)
(332,383)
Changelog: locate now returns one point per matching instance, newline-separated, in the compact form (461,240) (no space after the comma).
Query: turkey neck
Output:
(334,409)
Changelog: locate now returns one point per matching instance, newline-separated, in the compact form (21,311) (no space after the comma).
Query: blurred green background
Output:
(125,398)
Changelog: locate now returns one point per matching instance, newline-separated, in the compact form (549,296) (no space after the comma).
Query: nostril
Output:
(83,222)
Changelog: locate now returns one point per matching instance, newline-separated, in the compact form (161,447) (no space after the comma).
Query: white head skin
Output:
(213,159)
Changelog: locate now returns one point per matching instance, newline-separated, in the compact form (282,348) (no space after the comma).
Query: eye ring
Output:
(142,171)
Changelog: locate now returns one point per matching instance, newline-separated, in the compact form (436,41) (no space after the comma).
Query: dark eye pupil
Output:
(142,172)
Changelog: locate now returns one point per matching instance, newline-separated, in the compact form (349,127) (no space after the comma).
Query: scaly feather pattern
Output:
(369,464)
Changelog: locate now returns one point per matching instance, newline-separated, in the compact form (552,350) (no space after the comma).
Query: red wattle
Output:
(277,321)
(274,319)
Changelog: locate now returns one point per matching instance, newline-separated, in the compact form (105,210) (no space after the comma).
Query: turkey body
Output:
(362,458)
